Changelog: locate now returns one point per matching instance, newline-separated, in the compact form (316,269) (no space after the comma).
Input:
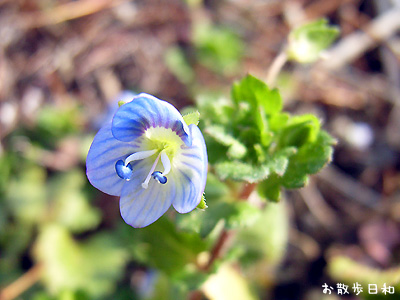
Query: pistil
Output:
(145,184)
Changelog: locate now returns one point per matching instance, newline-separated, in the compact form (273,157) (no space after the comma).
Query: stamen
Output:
(145,184)
(124,168)
(160,177)
(157,175)
(166,163)
(124,172)
(139,155)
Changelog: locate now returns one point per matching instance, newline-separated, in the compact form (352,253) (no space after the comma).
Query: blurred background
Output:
(65,64)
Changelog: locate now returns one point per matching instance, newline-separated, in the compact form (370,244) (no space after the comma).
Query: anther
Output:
(124,168)
(157,175)
(124,172)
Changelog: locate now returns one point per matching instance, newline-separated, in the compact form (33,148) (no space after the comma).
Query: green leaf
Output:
(54,123)
(237,170)
(265,239)
(346,270)
(215,189)
(278,164)
(215,108)
(270,188)
(93,266)
(26,195)
(189,279)
(233,214)
(228,283)
(164,288)
(70,206)
(309,159)
(64,295)
(202,205)
(299,130)
(177,63)
(162,246)
(257,94)
(253,173)
(236,148)
(192,118)
(307,41)
(255,103)
(14,243)
(217,48)
(278,121)
(8,160)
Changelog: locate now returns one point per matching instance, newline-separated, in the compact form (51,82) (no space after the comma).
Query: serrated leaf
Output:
(203,204)
(257,94)
(235,148)
(192,118)
(255,103)
(308,160)
(237,170)
(215,108)
(278,164)
(299,130)
(270,188)
(307,41)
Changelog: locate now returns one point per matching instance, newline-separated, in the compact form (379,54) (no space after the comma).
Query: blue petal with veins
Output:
(151,158)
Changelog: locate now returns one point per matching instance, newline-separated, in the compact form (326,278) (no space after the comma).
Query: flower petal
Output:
(104,152)
(190,173)
(145,111)
(140,207)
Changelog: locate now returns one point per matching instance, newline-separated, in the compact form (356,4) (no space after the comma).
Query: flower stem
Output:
(218,247)
(22,283)
(276,67)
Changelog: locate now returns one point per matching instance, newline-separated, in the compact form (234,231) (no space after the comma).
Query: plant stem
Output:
(248,188)
(219,246)
(21,284)
(276,67)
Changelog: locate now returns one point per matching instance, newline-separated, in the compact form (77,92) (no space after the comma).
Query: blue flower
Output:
(151,158)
